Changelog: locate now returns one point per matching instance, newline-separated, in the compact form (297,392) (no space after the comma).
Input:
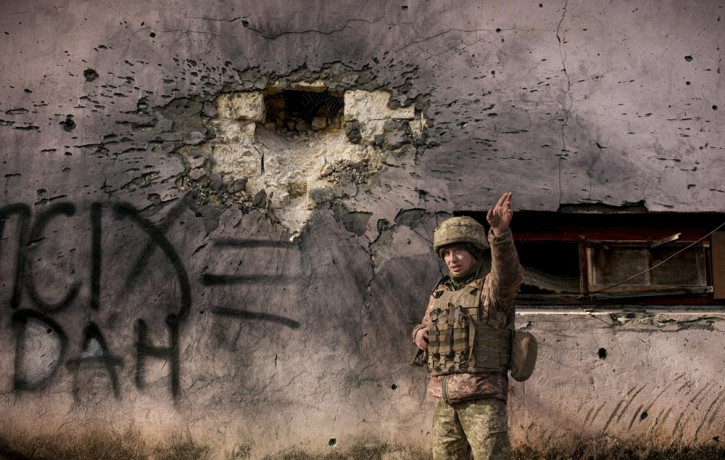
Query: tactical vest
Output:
(460,339)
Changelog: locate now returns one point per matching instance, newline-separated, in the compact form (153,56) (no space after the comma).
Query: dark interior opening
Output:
(300,111)
(549,267)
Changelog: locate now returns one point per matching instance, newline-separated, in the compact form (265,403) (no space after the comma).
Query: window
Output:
(637,258)
(674,268)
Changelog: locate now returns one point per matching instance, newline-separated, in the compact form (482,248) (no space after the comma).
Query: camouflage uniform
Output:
(476,428)
(471,408)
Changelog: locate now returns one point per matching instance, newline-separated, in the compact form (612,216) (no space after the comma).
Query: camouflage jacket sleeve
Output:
(505,277)
(423,323)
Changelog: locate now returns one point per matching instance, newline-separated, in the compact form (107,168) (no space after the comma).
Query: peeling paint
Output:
(644,321)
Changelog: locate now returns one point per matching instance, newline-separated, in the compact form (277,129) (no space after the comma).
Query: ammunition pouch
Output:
(524,350)
(461,340)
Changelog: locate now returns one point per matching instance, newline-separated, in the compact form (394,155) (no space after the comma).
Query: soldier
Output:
(466,335)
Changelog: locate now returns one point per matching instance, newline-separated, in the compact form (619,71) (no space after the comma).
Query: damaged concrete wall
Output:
(216,220)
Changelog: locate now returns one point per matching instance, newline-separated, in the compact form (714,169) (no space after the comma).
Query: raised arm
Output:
(506,271)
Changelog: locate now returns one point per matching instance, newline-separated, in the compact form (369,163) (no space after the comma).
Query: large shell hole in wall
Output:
(300,112)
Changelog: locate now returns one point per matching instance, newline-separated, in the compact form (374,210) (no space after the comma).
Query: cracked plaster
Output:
(297,173)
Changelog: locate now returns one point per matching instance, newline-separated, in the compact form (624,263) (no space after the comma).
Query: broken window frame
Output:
(626,231)
(644,278)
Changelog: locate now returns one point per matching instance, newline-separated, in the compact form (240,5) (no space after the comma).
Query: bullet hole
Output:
(541,5)
(498,30)
(245,23)
(687,83)
(643,415)
(716,439)
(49,331)
(90,74)
(26,90)
(332,442)
(152,35)
(405,7)
(493,72)
(201,312)
(688,58)
(68,124)
(393,387)
(602,353)
(714,107)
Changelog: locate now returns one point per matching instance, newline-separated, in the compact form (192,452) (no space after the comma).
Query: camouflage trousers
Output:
(471,429)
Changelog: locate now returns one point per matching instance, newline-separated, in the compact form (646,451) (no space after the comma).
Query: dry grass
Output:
(617,450)
(358,451)
(96,445)
(115,446)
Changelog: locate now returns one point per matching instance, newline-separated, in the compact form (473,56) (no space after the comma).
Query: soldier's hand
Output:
(499,217)
(421,339)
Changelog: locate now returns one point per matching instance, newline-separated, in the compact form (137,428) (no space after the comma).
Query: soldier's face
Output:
(458,260)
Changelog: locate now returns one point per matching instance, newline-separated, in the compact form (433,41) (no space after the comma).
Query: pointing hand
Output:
(499,217)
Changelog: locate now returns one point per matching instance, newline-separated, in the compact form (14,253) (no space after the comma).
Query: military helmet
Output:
(459,230)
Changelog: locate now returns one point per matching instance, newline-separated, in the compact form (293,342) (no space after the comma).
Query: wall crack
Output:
(568,101)
(261,33)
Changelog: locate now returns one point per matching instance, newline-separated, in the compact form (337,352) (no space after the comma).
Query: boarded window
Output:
(718,264)
(674,267)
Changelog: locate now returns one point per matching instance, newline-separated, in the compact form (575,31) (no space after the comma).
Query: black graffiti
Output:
(23,211)
(148,250)
(145,349)
(225,280)
(251,315)
(36,236)
(208,279)
(31,236)
(104,360)
(95,353)
(20,325)
(234,243)
(96,251)
(127,211)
